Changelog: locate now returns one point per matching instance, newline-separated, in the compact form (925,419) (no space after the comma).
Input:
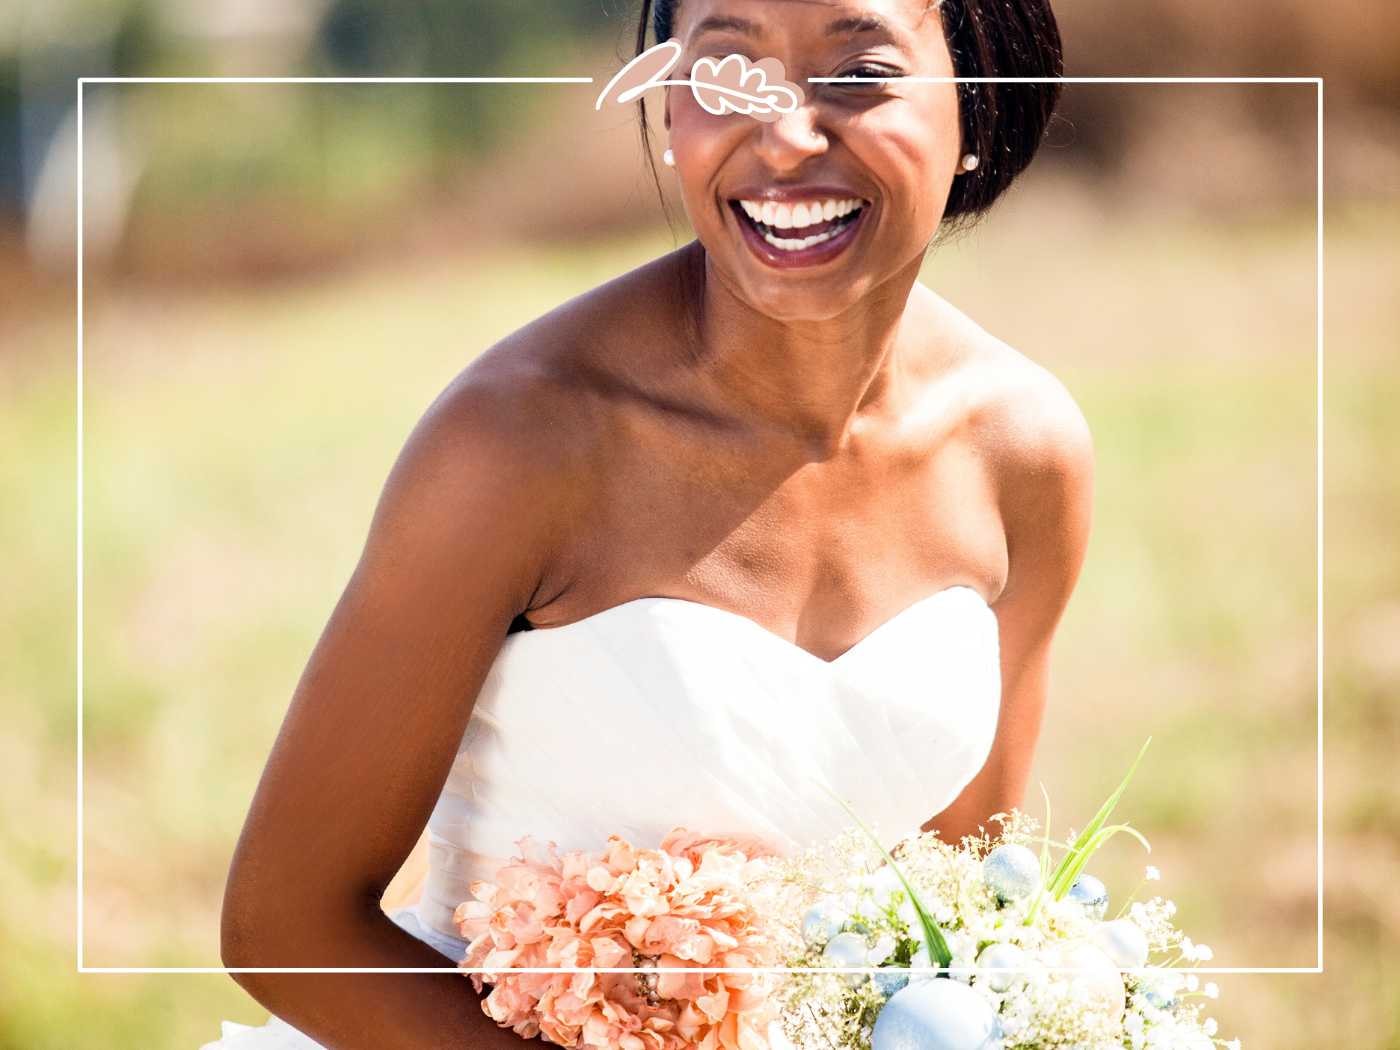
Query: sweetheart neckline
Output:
(706,609)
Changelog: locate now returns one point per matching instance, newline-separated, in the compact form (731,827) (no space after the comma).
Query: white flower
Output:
(962,969)
(1153,874)
(1233,1044)
(1168,981)
(1192,982)
(1209,1026)
(1158,1037)
(1204,953)
(882,950)
(1212,990)
(920,959)
(882,883)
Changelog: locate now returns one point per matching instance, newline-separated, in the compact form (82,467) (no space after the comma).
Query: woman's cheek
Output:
(921,164)
(701,142)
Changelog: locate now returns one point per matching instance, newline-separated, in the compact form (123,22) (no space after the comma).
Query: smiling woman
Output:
(763,514)
(1001,125)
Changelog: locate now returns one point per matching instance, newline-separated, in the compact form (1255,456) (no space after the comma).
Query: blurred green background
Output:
(281,278)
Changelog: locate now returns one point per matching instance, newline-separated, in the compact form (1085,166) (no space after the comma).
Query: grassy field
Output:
(237,440)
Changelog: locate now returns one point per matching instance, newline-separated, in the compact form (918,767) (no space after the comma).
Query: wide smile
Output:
(808,234)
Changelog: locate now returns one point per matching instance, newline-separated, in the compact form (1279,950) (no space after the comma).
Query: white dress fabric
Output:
(663,711)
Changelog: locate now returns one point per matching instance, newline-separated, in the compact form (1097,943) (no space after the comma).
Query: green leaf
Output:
(933,936)
(1073,861)
(1102,836)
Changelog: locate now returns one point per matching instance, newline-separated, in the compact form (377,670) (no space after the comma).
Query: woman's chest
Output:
(844,540)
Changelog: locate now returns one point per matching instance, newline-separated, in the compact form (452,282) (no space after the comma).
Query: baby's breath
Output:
(1037,1010)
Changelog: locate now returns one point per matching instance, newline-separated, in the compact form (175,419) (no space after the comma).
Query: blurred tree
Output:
(451,38)
(10,177)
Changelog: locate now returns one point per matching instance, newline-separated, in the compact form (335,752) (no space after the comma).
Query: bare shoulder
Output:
(469,498)
(551,389)
(1024,416)
(485,482)
(1034,437)
(561,370)
(502,457)
(542,390)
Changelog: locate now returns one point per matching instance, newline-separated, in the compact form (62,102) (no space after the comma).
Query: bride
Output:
(763,509)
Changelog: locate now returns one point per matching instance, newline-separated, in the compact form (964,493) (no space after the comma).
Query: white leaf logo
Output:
(727,85)
(731,84)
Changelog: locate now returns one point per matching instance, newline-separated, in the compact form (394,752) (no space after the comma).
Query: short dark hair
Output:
(1003,124)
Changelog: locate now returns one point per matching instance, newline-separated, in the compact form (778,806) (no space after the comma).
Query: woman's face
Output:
(893,146)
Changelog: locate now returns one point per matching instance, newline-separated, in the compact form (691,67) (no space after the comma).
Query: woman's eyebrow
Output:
(853,25)
(727,22)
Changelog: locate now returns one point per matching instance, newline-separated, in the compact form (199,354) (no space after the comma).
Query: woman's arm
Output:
(456,549)
(1045,477)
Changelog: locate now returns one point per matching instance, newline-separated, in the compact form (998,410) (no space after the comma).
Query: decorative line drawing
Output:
(727,85)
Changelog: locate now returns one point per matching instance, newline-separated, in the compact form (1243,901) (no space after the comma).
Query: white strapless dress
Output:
(664,711)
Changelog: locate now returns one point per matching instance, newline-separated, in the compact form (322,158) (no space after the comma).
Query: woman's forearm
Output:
(376,1011)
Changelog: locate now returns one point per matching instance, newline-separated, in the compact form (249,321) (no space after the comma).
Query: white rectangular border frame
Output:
(83,81)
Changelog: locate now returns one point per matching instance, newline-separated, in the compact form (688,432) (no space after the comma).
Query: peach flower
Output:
(686,903)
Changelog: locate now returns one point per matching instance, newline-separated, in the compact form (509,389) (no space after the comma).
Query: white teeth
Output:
(776,215)
(807,213)
(790,244)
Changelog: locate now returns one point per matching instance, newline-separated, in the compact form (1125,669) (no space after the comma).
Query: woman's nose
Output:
(791,139)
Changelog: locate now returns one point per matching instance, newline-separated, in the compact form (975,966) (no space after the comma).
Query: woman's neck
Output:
(813,380)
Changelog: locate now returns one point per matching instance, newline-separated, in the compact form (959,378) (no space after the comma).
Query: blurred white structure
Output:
(58,41)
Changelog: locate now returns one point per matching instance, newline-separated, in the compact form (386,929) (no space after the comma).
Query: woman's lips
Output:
(814,255)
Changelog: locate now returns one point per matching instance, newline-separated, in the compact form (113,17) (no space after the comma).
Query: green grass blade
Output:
(1044,860)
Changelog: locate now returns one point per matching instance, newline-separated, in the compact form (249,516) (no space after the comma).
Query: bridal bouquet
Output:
(983,946)
(694,902)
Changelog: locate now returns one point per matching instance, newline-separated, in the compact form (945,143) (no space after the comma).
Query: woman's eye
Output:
(866,71)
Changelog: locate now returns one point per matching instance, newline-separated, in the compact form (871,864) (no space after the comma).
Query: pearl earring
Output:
(669,159)
(969,162)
